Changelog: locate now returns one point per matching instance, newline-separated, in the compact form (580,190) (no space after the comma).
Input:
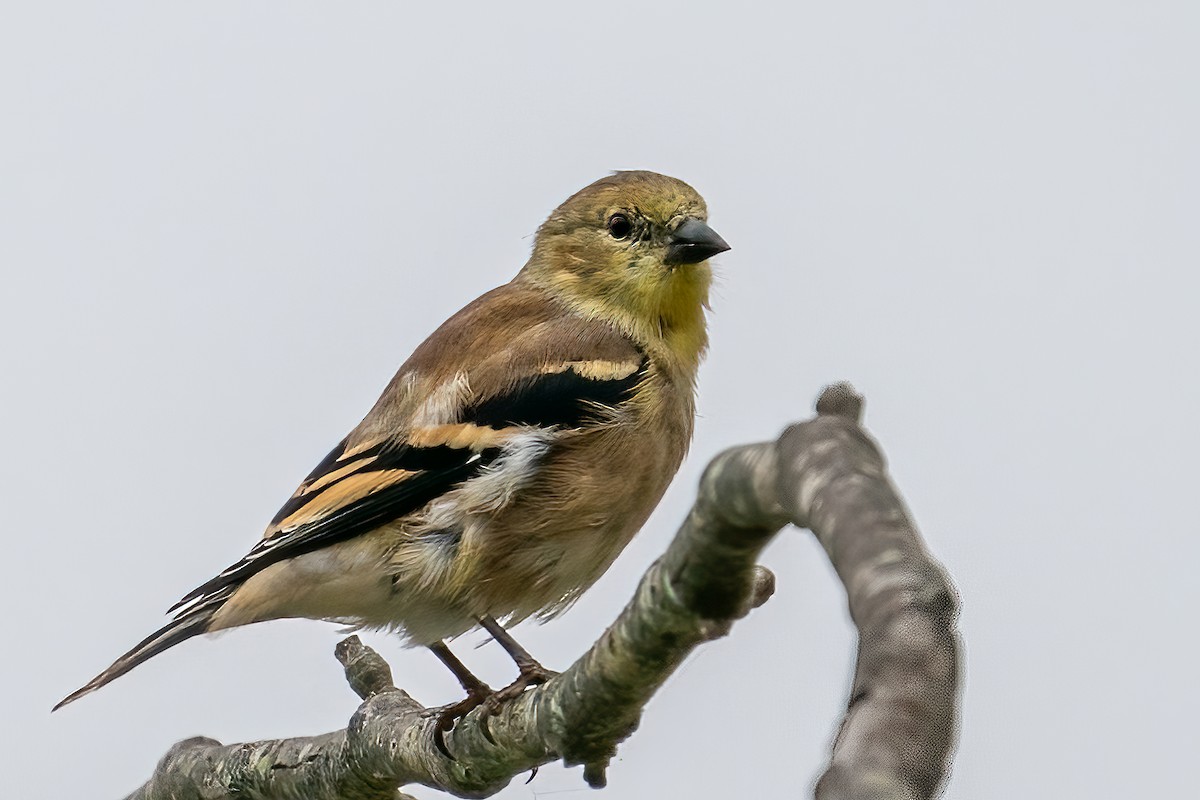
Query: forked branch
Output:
(825,474)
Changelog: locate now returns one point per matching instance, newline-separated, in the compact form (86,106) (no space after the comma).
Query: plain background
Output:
(223,225)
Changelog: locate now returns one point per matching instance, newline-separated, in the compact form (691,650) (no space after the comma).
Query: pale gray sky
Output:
(223,225)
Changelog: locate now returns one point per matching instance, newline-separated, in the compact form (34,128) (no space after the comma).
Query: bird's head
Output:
(633,248)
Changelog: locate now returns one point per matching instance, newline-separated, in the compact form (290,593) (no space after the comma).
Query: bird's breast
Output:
(592,490)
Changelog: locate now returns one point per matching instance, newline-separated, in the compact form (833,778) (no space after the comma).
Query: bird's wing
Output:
(552,377)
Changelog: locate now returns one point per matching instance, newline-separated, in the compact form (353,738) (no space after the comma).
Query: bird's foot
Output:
(532,674)
(476,696)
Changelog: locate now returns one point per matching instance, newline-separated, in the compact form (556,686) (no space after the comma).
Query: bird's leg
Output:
(530,672)
(477,692)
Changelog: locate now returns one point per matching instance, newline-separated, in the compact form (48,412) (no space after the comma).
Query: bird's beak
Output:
(692,242)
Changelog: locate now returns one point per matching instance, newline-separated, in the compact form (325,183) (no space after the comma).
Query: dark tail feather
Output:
(192,623)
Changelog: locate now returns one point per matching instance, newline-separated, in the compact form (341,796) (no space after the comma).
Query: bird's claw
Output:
(488,702)
(452,713)
(532,674)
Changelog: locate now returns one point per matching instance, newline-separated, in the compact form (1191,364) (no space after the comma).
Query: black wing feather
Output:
(562,398)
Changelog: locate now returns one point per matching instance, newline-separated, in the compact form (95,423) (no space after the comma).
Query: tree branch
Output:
(825,474)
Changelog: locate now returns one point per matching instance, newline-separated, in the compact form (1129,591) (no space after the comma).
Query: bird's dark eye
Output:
(619,226)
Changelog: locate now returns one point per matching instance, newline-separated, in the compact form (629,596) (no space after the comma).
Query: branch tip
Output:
(345,650)
(594,774)
(763,588)
(840,399)
(366,671)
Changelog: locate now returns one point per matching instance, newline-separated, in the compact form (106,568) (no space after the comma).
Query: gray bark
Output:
(825,474)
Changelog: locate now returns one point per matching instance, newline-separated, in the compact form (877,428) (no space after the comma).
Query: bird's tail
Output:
(190,622)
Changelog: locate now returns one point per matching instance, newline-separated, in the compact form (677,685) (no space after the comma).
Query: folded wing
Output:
(356,489)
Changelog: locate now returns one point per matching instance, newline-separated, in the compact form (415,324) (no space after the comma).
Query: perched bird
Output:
(510,459)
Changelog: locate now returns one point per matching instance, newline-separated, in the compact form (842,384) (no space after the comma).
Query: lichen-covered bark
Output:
(825,474)
(896,737)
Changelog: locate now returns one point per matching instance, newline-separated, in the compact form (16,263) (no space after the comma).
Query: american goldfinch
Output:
(513,455)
